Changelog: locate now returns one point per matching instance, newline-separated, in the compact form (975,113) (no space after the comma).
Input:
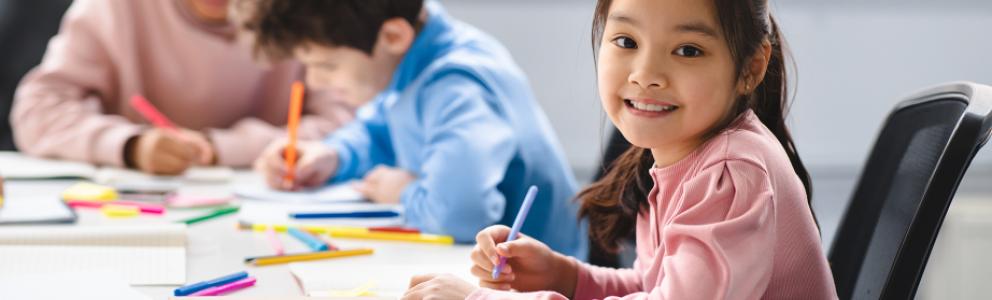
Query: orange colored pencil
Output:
(292,126)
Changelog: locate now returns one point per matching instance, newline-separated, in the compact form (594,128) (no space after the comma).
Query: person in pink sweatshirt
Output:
(699,89)
(182,55)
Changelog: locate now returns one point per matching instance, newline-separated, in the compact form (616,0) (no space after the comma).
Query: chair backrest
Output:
(25,27)
(912,173)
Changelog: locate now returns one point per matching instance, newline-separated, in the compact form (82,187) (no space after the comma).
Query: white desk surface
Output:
(216,247)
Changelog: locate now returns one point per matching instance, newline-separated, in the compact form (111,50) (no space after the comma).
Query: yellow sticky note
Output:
(89,192)
(361,291)
(120,211)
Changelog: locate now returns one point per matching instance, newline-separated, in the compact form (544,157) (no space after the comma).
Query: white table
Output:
(216,247)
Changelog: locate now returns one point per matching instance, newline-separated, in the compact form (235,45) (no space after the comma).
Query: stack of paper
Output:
(143,255)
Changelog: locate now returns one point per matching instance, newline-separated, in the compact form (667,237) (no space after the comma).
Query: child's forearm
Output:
(568,275)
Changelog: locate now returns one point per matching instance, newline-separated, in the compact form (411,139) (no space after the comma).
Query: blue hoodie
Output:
(460,115)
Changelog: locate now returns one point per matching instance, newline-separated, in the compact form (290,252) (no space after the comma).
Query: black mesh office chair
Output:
(906,187)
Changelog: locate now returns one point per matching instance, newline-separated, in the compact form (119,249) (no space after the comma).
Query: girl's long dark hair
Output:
(613,202)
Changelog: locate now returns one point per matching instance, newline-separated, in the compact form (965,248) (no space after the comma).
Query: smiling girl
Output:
(698,88)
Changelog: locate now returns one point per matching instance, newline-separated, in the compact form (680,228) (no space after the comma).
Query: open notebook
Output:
(325,280)
(336,193)
(143,255)
(14,165)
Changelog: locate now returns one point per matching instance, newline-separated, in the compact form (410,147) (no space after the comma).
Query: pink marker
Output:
(147,208)
(227,288)
(83,204)
(147,110)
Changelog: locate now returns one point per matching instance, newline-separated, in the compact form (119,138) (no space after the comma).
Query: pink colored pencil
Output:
(274,241)
(227,288)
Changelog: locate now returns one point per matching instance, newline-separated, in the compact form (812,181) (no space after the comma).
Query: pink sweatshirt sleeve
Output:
(243,142)
(717,247)
(720,244)
(58,108)
(490,294)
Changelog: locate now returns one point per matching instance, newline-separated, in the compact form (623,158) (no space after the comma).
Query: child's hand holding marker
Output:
(530,264)
(165,149)
(518,261)
(315,164)
(159,151)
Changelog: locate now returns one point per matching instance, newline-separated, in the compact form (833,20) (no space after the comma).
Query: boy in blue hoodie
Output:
(448,126)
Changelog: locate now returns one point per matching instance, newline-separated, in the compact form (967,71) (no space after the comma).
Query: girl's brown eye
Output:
(625,42)
(688,51)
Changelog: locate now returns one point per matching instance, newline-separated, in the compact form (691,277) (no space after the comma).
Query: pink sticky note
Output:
(196,201)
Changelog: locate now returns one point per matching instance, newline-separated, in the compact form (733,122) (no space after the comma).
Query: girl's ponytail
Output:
(770,102)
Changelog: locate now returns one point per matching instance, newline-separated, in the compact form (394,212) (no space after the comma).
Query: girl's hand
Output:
(205,153)
(530,264)
(315,164)
(438,286)
(161,152)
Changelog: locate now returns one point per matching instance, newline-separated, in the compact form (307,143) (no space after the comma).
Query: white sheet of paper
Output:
(15,165)
(317,279)
(332,193)
(143,255)
(101,284)
(18,208)
(109,175)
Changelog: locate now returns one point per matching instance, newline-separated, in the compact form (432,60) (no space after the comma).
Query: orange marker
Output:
(295,108)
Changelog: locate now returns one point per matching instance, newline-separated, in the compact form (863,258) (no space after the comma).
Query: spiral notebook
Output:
(142,255)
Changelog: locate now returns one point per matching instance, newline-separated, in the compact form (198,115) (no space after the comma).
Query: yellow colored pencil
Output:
(391,236)
(272,260)
(362,233)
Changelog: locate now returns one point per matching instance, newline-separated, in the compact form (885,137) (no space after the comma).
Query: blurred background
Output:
(855,61)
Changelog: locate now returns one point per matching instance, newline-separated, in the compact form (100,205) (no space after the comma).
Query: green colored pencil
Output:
(216,213)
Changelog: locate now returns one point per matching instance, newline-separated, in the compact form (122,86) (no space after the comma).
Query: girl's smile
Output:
(649,108)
